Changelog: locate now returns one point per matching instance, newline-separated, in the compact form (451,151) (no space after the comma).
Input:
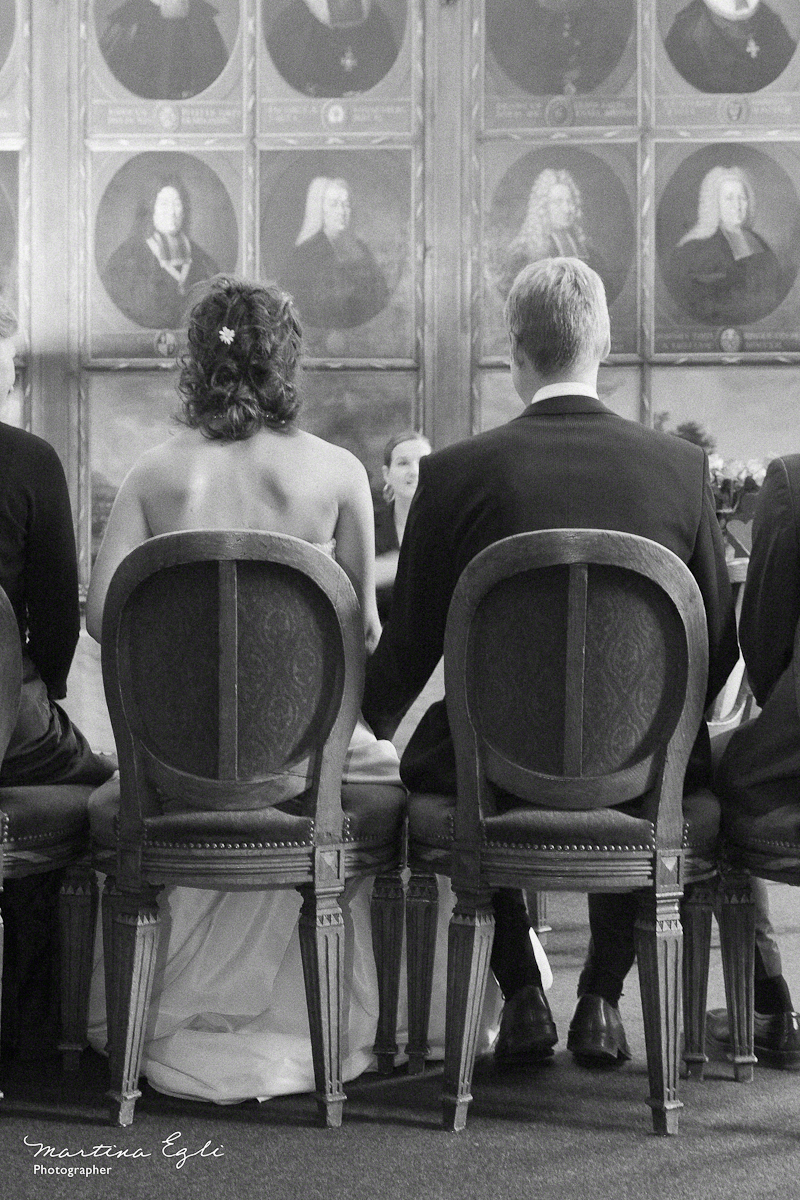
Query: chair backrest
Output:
(10,671)
(229,659)
(576,664)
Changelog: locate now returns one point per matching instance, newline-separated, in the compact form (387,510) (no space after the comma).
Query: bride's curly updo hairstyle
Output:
(238,374)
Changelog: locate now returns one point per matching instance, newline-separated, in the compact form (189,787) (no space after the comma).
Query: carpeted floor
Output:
(560,1133)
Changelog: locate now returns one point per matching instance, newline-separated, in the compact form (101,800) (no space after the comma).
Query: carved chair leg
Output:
(108,906)
(77,910)
(386,911)
(469,946)
(422,908)
(658,951)
(696,911)
(133,941)
(321,931)
(737,935)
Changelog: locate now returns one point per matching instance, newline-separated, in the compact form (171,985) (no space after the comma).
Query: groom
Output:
(566,462)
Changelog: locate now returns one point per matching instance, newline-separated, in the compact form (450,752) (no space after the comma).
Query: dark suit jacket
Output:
(760,769)
(566,462)
(771,602)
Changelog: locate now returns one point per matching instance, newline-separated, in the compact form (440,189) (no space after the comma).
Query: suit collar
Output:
(566,404)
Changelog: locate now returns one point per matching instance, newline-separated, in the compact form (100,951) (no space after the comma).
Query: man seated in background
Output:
(38,571)
(566,462)
(760,768)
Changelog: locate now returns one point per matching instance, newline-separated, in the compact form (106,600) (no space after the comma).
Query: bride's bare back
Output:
(280,481)
(287,482)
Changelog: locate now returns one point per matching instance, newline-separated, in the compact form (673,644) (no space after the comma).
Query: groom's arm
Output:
(412,640)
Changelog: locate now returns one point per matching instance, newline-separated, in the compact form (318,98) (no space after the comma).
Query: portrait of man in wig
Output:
(331,272)
(721,271)
(149,276)
(330,47)
(729,45)
(553,226)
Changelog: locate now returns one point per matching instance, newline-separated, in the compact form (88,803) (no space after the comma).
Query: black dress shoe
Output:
(527,1029)
(596,1037)
(777,1037)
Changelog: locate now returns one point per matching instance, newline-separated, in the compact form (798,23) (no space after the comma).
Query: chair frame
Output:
(317,869)
(476,868)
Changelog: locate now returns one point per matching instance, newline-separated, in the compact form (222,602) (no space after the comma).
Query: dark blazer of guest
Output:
(566,462)
(771,602)
(760,769)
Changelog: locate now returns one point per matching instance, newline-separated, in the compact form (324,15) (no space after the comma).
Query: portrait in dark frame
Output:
(163,49)
(356,281)
(726,224)
(331,272)
(729,46)
(558,47)
(164,198)
(331,48)
(561,201)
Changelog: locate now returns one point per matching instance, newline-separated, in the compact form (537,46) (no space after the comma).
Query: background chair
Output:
(575,677)
(228,658)
(44,828)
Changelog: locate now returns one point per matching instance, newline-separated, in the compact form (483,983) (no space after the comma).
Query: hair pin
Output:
(226,335)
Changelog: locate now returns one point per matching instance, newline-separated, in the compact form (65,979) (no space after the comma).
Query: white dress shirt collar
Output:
(564,389)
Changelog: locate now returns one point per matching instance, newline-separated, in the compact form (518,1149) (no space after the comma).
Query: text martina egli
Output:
(170,1148)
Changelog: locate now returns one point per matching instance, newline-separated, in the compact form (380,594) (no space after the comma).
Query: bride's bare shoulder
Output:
(337,460)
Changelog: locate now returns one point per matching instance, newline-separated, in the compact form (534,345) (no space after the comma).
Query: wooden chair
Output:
(575,677)
(228,658)
(43,828)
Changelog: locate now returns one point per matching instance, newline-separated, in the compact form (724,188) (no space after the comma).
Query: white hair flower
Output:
(226,335)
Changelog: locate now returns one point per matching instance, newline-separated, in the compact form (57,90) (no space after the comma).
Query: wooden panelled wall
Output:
(443,153)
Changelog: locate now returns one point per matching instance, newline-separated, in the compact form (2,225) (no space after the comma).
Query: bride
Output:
(228,1018)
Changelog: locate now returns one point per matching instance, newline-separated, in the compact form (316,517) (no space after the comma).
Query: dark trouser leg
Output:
(612,952)
(513,961)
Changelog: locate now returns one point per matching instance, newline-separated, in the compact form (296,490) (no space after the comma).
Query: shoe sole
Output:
(599,1062)
(524,1058)
(782,1060)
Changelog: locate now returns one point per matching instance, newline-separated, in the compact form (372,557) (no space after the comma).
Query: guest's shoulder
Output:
(783,469)
(459,457)
(28,449)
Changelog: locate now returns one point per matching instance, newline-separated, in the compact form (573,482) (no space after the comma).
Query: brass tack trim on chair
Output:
(229,845)
(769,842)
(593,846)
(53,835)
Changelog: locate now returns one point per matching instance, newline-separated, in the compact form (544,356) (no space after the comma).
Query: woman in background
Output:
(401,457)
(228,1018)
